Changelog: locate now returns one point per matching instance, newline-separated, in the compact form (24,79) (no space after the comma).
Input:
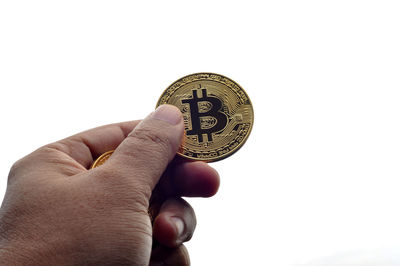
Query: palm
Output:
(100,216)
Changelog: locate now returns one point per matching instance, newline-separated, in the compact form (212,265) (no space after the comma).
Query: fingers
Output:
(196,179)
(170,256)
(88,145)
(175,223)
(190,179)
(149,148)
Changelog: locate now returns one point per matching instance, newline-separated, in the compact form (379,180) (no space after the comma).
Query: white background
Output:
(319,175)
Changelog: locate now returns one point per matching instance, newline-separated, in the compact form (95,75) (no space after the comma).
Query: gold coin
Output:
(102,159)
(217,113)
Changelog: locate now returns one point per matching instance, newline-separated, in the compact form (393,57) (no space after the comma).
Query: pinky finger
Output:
(162,255)
(175,223)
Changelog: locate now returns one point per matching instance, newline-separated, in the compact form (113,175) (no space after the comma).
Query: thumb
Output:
(150,147)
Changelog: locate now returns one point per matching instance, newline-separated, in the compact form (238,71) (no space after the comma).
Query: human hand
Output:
(57,212)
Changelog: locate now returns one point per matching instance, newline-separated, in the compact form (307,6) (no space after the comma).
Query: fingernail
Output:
(168,113)
(179,225)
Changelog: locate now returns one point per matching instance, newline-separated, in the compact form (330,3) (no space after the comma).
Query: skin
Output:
(57,212)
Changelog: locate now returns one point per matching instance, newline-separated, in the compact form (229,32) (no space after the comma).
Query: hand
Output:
(57,212)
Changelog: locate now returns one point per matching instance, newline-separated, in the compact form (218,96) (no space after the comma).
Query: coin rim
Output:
(240,144)
(94,165)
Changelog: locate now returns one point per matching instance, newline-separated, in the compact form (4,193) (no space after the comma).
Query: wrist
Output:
(29,253)
(10,255)
(13,253)
(22,243)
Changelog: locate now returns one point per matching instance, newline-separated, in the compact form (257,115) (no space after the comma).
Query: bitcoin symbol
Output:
(217,113)
(206,115)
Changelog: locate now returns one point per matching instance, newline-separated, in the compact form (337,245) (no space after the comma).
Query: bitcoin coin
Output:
(217,113)
(102,159)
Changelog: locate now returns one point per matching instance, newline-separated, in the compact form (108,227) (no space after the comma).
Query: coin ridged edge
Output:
(182,79)
(99,161)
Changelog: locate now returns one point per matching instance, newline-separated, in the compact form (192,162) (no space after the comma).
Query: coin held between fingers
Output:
(217,113)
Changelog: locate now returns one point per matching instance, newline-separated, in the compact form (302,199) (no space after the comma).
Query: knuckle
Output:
(151,138)
(18,169)
(14,168)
